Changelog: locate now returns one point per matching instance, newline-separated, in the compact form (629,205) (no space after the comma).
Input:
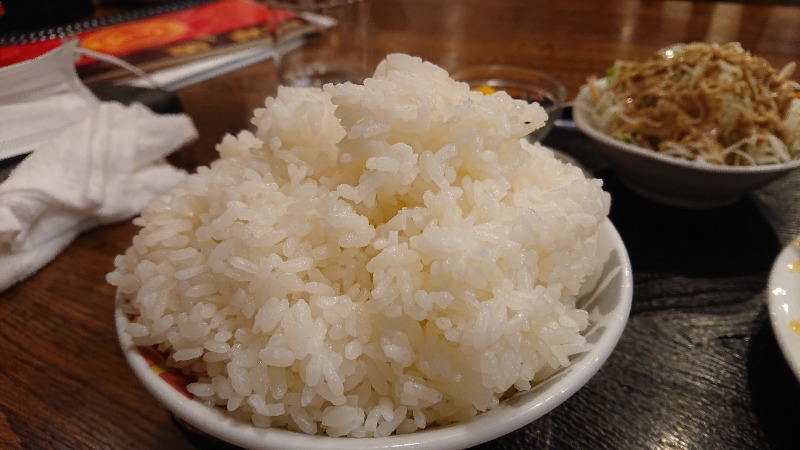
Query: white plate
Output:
(607,297)
(784,303)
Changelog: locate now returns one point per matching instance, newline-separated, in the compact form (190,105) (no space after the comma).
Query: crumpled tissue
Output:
(100,168)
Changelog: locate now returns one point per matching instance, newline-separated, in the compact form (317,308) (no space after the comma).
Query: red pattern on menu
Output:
(182,34)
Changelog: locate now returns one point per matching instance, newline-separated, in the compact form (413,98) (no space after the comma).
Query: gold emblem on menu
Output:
(189,48)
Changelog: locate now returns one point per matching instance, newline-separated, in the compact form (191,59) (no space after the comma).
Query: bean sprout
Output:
(709,103)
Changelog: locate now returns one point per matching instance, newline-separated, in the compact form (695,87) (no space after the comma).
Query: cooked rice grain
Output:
(373,259)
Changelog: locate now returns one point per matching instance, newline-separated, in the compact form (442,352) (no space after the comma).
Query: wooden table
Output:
(697,367)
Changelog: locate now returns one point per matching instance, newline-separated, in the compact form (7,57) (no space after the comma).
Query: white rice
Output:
(373,259)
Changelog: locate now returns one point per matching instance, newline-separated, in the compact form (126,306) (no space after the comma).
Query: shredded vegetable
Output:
(703,102)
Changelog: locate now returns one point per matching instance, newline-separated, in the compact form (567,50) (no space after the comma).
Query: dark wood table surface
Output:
(697,366)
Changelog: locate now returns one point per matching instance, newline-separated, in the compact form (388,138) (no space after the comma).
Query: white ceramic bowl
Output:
(671,180)
(606,296)
(783,298)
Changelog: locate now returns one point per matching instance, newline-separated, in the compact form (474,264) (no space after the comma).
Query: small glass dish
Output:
(521,83)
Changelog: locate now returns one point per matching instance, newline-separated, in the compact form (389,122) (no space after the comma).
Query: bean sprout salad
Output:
(709,103)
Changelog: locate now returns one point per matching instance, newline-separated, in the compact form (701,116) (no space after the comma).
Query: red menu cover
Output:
(167,39)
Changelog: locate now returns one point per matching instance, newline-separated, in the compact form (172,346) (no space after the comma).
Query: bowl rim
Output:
(783,303)
(580,115)
(477,430)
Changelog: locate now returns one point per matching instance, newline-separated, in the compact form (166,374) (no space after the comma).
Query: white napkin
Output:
(103,170)
(92,162)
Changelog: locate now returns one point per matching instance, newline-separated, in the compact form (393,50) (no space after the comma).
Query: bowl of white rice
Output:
(381,265)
